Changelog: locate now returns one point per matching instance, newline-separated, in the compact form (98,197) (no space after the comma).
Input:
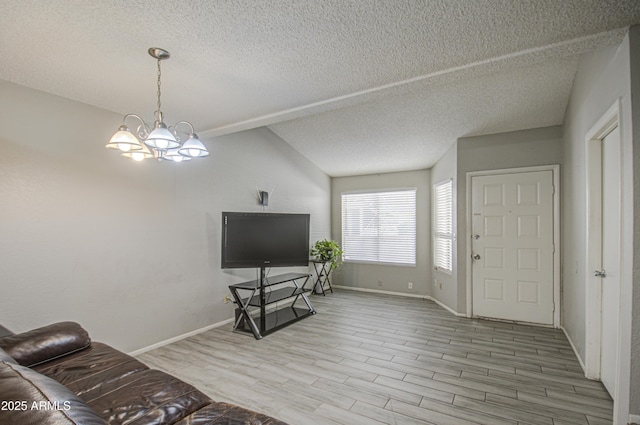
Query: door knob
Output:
(476,257)
(476,237)
(600,273)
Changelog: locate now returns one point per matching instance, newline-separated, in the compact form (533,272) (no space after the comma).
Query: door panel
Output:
(611,220)
(512,224)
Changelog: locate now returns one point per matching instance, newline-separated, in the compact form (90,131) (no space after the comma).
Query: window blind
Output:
(379,227)
(443,226)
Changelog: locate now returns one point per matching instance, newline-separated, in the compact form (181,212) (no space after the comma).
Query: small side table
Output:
(322,268)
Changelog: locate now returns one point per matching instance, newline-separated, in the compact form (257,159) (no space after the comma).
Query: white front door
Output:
(512,246)
(611,222)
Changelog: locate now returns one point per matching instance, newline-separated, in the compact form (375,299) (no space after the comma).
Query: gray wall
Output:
(604,77)
(129,250)
(526,148)
(445,285)
(385,277)
(634,53)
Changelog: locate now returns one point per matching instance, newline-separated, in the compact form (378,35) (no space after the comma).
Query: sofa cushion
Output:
(29,398)
(219,413)
(146,398)
(45,343)
(91,370)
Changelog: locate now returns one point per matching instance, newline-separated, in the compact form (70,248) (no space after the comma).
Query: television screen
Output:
(264,240)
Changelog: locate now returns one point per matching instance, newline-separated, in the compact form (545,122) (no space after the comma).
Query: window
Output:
(443,225)
(379,227)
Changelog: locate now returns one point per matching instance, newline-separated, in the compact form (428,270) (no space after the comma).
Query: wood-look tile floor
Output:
(379,359)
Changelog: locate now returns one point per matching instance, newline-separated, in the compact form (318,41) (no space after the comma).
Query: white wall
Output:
(387,277)
(445,285)
(129,250)
(525,148)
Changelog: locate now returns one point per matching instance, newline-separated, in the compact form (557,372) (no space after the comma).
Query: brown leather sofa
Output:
(57,375)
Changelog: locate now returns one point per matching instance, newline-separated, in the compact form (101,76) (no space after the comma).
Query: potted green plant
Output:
(328,252)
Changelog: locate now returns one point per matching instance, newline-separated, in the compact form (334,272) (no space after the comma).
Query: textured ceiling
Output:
(356,86)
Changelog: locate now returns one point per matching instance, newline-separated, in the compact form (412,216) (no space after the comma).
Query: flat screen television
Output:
(264,240)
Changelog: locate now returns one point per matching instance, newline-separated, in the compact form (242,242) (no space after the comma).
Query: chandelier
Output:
(161,142)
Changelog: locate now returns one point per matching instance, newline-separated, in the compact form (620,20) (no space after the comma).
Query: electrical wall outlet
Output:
(440,285)
(410,285)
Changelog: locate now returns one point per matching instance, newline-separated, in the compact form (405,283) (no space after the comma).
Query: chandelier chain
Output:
(159,75)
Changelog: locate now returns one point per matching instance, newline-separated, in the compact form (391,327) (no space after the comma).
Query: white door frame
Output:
(593,294)
(555,168)
(593,328)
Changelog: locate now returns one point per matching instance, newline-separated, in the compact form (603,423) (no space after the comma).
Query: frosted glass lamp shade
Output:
(139,155)
(161,138)
(193,147)
(124,140)
(175,156)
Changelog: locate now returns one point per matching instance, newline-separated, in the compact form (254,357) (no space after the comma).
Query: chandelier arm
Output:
(174,130)
(141,132)
(186,123)
(132,116)
(143,129)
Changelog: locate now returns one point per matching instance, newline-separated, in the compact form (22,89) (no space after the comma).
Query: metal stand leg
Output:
(244,310)
(322,276)
(327,276)
(303,295)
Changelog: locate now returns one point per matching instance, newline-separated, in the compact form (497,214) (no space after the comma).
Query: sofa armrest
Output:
(4,357)
(32,398)
(47,343)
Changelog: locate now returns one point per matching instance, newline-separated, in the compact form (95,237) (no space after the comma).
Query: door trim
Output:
(555,168)
(619,113)
(593,293)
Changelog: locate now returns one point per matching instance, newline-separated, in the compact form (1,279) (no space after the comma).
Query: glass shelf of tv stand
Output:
(270,281)
(274,296)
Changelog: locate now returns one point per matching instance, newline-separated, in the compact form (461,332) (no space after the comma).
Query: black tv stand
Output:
(260,297)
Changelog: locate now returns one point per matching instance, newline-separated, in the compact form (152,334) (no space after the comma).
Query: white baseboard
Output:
(575,351)
(379,291)
(402,294)
(446,307)
(178,338)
